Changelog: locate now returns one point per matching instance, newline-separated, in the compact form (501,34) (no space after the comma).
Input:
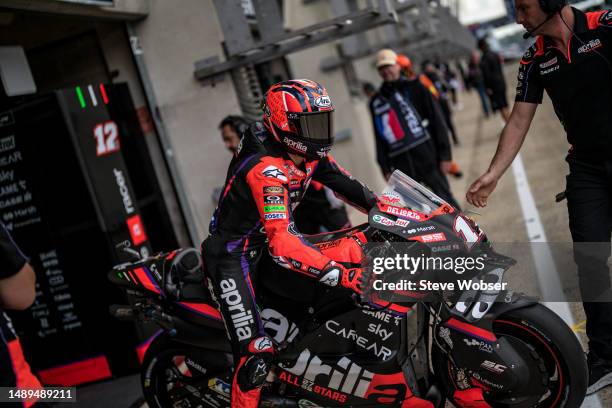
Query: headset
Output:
(550,7)
(239,123)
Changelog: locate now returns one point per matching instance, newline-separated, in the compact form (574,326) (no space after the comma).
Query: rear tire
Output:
(174,374)
(554,344)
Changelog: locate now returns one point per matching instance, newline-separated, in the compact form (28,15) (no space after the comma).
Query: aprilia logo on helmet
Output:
(294,144)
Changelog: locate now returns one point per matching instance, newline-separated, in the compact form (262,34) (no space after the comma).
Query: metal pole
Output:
(162,136)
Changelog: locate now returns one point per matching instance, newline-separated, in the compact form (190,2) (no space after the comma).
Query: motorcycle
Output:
(475,348)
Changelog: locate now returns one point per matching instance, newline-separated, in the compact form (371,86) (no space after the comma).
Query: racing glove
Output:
(335,274)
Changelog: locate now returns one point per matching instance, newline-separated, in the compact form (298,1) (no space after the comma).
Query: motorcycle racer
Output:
(276,162)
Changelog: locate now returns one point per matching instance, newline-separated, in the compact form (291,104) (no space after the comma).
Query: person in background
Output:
(410,130)
(17,292)
(431,72)
(450,78)
(564,62)
(320,211)
(369,90)
(461,68)
(493,77)
(476,81)
(408,70)
(232,127)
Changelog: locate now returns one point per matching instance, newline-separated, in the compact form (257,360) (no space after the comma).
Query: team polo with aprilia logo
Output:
(580,86)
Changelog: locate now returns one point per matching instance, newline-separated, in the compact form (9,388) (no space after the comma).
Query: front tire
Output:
(176,375)
(554,349)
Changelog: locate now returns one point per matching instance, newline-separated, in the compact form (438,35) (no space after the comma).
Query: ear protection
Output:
(552,6)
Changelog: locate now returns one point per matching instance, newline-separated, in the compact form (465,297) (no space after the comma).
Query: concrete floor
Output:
(543,156)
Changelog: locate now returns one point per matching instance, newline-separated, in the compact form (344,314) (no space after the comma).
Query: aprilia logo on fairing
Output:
(354,379)
(241,318)
(278,326)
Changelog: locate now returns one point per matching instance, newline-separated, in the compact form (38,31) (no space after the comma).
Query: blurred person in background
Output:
(410,130)
(17,292)
(475,80)
(232,127)
(491,65)
(450,78)
(320,211)
(408,70)
(431,72)
(369,90)
(461,68)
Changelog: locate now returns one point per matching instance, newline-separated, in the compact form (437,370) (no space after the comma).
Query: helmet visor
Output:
(314,127)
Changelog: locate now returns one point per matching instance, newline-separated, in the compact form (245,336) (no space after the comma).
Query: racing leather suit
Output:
(254,214)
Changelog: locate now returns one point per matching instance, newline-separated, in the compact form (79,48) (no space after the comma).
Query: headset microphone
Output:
(530,33)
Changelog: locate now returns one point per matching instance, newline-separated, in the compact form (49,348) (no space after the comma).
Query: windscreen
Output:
(403,191)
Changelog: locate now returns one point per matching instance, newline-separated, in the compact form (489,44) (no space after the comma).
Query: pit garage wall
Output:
(172,37)
(357,154)
(116,49)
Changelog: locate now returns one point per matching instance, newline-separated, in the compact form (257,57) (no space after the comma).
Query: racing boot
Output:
(251,373)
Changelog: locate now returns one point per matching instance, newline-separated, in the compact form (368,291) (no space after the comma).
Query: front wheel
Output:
(177,375)
(554,351)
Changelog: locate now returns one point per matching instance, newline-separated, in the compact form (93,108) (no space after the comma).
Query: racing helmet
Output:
(405,62)
(299,113)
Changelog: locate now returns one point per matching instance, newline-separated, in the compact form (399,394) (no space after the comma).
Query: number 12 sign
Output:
(107,138)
